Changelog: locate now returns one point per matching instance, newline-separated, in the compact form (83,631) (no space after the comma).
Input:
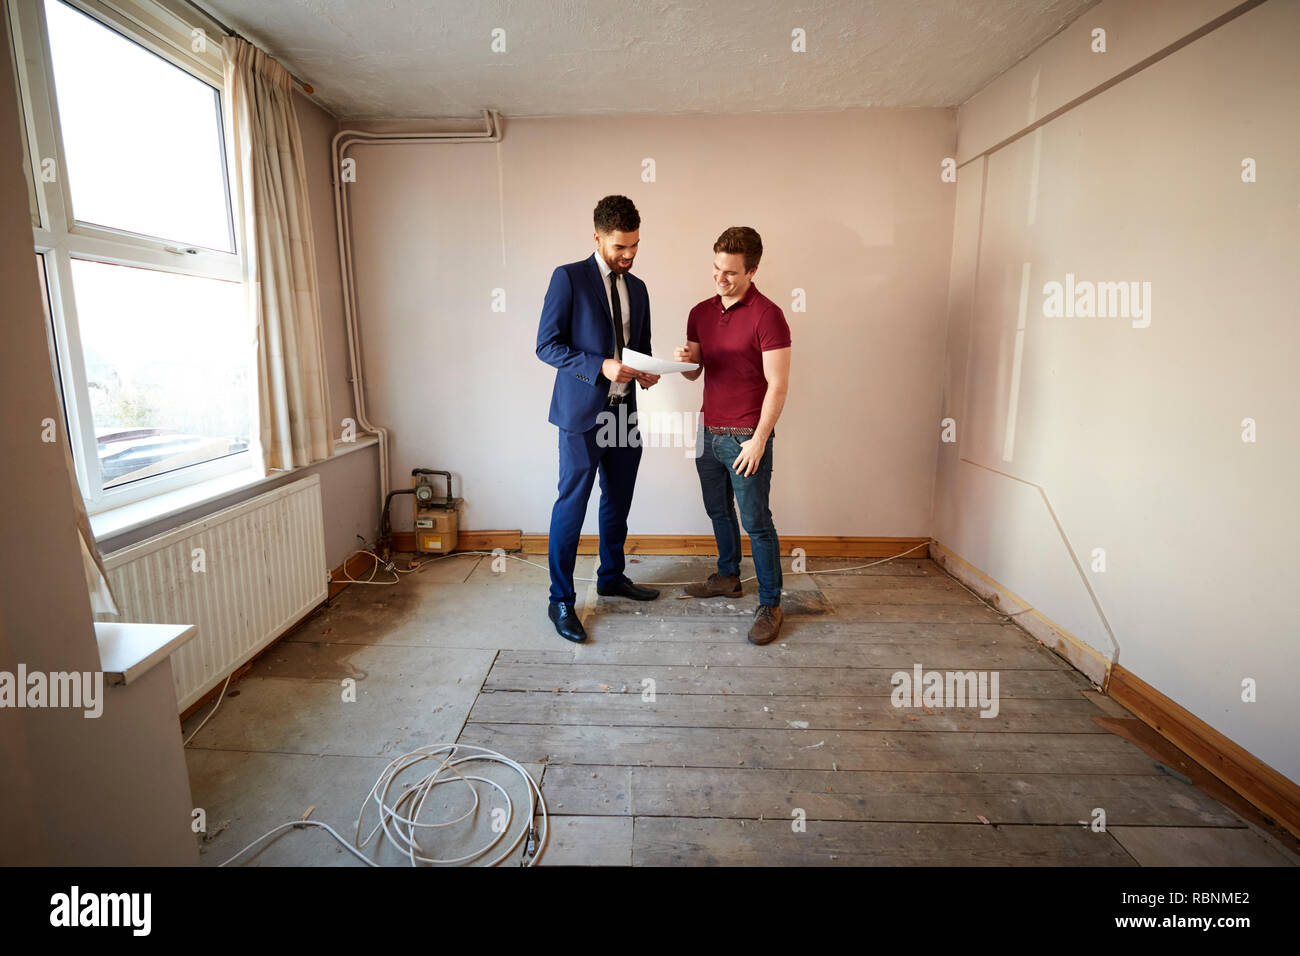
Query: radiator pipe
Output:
(343,139)
(385,524)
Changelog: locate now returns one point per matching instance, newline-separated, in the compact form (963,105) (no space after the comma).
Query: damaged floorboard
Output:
(669,739)
(719,752)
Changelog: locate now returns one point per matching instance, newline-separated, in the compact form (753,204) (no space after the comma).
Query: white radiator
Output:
(264,569)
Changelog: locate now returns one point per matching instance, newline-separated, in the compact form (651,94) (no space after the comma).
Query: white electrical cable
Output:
(401,828)
(405,839)
(388,566)
(303,823)
(856,567)
(414,566)
(220,697)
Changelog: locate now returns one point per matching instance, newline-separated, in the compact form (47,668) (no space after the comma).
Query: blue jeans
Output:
(719,482)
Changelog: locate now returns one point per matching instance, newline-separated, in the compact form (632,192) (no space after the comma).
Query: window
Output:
(136,245)
(166,368)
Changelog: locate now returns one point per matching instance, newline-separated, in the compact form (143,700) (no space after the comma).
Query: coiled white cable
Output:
(400,819)
(403,833)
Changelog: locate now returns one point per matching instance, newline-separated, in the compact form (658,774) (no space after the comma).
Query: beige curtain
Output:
(102,600)
(101,592)
(270,188)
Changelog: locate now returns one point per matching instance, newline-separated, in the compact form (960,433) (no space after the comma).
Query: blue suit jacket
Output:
(576,335)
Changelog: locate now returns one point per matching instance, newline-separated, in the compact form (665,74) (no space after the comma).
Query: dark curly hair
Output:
(616,214)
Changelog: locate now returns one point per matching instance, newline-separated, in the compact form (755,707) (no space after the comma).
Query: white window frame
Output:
(59,238)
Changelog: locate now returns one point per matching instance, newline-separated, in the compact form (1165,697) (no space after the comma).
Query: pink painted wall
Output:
(851,209)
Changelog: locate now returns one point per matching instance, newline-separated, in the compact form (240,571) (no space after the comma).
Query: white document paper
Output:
(648,363)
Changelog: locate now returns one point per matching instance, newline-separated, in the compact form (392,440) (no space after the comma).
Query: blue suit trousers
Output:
(582,456)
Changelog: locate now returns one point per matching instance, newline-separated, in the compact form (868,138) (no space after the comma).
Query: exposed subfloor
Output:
(789,754)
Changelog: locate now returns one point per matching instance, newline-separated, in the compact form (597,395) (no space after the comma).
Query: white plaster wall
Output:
(1136,433)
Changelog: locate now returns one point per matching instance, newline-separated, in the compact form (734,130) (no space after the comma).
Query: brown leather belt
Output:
(713,430)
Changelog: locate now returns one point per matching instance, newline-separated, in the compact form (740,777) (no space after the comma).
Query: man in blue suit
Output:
(593,309)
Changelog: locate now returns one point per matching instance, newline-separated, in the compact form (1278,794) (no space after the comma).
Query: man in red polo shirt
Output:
(741,340)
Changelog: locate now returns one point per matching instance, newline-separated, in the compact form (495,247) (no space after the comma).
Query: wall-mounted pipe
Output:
(343,139)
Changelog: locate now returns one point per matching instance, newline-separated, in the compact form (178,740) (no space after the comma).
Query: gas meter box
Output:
(437,517)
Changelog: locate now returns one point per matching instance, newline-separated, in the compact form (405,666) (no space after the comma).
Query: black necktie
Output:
(617,308)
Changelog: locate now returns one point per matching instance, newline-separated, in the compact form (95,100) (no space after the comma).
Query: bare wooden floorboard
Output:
(1016,715)
(812,749)
(741,615)
(790,681)
(669,841)
(1185,846)
(737,739)
(794,603)
(880,583)
(587,841)
(604,628)
(924,592)
(932,653)
(974,613)
(910,567)
(1056,799)
(827,578)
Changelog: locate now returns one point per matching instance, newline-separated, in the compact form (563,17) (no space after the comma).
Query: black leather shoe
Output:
(627,589)
(566,622)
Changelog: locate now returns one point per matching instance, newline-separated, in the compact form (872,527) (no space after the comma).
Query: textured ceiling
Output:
(398,59)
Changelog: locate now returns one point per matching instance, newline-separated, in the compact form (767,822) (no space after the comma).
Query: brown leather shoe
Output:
(716,586)
(767,624)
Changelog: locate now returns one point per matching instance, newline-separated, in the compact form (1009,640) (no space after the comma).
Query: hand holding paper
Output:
(648,363)
(688,353)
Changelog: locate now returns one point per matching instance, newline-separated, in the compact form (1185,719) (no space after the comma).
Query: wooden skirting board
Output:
(1272,793)
(1083,657)
(814,546)
(1265,788)
(466,540)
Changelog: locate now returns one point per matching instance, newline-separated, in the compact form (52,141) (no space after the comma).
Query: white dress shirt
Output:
(625,300)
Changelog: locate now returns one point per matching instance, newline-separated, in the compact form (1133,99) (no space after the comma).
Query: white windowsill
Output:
(127,651)
(116,521)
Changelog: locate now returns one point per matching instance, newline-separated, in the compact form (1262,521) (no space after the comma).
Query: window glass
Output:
(142,138)
(168,363)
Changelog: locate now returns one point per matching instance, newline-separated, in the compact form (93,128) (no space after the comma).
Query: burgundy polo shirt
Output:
(732,343)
